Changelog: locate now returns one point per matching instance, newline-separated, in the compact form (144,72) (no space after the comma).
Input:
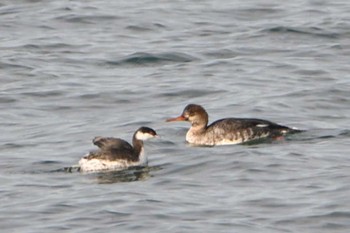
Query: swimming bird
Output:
(117,154)
(229,130)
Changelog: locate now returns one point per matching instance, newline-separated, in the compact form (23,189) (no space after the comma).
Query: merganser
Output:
(117,154)
(229,130)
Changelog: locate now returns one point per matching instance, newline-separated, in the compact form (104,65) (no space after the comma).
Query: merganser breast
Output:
(116,153)
(229,130)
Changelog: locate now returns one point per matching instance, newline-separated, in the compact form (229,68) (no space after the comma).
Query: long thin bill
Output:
(179,118)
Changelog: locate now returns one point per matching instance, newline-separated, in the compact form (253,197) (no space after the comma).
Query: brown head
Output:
(193,113)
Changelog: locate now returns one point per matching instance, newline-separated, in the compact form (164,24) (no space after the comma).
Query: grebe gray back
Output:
(116,153)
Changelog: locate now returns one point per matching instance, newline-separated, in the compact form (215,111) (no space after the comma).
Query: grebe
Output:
(117,154)
(229,130)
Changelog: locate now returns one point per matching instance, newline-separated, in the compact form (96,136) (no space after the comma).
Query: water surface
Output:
(73,70)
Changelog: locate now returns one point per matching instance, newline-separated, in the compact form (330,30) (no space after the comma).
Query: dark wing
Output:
(246,128)
(112,149)
(105,143)
(241,123)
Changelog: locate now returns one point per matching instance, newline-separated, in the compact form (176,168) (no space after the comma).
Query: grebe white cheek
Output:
(117,154)
(143,136)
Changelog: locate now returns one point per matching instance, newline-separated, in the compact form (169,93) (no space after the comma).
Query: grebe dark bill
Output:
(117,154)
(229,130)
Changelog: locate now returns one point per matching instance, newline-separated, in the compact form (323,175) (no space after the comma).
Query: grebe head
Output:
(193,113)
(145,133)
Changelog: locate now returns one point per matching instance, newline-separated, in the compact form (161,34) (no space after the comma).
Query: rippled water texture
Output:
(72,70)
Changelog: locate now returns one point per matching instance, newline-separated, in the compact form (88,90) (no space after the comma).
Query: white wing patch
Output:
(284,131)
(262,125)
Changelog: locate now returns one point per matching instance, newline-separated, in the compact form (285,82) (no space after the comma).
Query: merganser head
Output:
(145,133)
(193,113)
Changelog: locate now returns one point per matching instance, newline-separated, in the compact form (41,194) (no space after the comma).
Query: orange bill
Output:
(179,118)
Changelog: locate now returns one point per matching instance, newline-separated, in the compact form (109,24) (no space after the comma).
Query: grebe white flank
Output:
(117,154)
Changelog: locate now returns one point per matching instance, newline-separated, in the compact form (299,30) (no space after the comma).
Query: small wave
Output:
(345,133)
(15,145)
(14,66)
(6,100)
(189,94)
(152,58)
(314,31)
(324,219)
(44,167)
(50,93)
(319,134)
(86,19)
(47,46)
(142,28)
(221,53)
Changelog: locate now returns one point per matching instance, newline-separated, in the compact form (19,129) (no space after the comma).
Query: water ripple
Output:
(152,58)
(86,19)
(71,70)
(313,31)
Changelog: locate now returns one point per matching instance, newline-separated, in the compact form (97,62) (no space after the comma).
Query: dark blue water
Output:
(72,70)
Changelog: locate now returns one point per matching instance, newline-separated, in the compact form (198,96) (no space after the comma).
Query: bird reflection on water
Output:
(138,173)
